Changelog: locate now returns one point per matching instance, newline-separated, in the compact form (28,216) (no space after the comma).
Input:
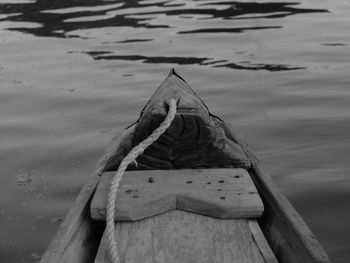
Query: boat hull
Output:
(291,240)
(286,232)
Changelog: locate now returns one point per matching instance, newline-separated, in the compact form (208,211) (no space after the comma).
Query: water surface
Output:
(74,72)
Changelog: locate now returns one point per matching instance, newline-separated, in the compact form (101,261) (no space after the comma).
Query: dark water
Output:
(73,72)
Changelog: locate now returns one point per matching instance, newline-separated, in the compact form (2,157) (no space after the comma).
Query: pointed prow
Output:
(194,138)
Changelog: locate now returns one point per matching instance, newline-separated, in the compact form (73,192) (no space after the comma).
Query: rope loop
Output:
(129,158)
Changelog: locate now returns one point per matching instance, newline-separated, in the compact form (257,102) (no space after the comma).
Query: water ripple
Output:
(57,18)
(227,30)
(73,72)
(166,22)
(201,61)
(104,55)
(261,66)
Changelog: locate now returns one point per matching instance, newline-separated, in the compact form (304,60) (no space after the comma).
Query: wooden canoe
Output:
(217,145)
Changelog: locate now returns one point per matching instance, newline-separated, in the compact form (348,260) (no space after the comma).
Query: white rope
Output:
(130,157)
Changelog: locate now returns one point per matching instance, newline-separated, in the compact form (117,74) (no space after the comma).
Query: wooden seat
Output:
(217,222)
(221,193)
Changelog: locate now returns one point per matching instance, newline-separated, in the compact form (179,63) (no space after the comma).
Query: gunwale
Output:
(290,238)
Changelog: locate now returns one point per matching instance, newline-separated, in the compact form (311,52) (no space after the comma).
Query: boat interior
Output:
(197,194)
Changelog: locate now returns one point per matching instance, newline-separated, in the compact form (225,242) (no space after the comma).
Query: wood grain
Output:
(194,140)
(260,240)
(221,193)
(285,231)
(179,236)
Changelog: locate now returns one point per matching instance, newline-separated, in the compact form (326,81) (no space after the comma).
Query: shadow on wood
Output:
(194,139)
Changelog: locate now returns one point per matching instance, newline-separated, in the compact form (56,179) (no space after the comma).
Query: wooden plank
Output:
(78,236)
(288,235)
(179,236)
(221,193)
(285,231)
(260,240)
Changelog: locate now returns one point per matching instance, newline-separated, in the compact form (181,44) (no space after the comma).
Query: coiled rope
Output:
(131,157)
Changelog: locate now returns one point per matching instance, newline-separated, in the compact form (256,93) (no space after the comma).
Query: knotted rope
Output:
(131,157)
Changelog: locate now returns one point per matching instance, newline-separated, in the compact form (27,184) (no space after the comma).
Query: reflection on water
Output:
(105,55)
(56,23)
(56,19)
(241,10)
(74,71)
(144,59)
(226,30)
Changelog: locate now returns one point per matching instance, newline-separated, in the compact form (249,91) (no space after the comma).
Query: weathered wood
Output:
(179,236)
(192,141)
(78,237)
(260,240)
(285,231)
(221,193)
(288,235)
(116,151)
